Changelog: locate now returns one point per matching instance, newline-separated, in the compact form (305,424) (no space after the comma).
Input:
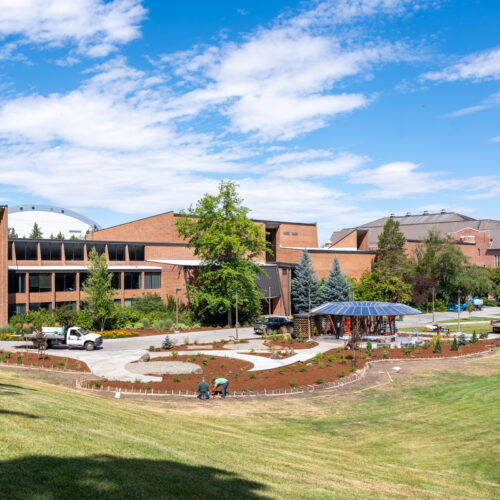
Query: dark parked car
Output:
(273,323)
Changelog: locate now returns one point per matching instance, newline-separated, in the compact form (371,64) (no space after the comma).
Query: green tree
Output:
(36,232)
(226,240)
(391,253)
(12,233)
(336,288)
(495,278)
(149,302)
(381,286)
(305,285)
(99,289)
(60,236)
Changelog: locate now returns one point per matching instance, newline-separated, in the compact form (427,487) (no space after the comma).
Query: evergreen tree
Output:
(454,345)
(437,346)
(12,233)
(60,236)
(474,337)
(36,232)
(304,285)
(167,343)
(391,250)
(99,289)
(336,287)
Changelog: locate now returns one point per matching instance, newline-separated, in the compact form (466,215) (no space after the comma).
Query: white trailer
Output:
(72,336)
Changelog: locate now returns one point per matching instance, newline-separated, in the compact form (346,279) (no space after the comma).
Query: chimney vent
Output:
(408,214)
(393,215)
(426,212)
(443,210)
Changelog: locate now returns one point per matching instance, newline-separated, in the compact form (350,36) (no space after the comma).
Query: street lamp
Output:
(433,297)
(236,294)
(458,324)
(177,290)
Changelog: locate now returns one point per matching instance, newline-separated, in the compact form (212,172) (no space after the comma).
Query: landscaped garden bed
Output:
(35,359)
(279,344)
(213,346)
(328,367)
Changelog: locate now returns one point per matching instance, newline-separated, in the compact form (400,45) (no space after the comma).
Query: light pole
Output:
(433,297)
(458,324)
(309,313)
(269,301)
(236,293)
(177,290)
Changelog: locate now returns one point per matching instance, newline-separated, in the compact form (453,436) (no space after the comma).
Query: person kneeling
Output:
(203,389)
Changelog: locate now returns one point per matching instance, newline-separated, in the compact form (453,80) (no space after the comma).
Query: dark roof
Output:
(425,218)
(340,235)
(365,309)
(270,279)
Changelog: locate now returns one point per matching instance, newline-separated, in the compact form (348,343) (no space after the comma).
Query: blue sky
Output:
(336,112)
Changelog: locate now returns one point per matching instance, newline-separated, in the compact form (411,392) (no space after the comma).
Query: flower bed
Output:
(329,367)
(118,334)
(34,359)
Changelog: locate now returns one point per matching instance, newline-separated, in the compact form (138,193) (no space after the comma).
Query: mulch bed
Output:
(47,361)
(213,366)
(200,347)
(281,345)
(336,364)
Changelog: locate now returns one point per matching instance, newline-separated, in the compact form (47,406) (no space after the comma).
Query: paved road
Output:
(424,319)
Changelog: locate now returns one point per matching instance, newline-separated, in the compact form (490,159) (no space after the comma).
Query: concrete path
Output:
(439,317)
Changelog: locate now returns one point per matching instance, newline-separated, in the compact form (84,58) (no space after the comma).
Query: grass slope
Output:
(434,438)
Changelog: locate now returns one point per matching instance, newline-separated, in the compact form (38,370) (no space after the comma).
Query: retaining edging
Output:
(276,392)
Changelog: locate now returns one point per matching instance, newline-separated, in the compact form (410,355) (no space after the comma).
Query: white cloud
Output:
(490,102)
(94,27)
(478,66)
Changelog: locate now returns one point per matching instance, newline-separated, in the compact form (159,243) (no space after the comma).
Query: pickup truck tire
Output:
(89,346)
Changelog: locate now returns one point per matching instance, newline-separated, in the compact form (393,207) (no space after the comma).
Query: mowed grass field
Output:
(433,437)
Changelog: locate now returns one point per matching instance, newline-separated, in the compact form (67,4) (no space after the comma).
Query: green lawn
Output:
(434,437)
(465,317)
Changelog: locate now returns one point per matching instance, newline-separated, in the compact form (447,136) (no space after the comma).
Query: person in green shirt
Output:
(203,389)
(223,383)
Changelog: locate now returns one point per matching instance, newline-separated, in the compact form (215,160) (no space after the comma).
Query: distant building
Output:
(51,220)
(479,239)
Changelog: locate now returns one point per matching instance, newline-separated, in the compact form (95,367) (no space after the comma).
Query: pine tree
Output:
(305,285)
(12,233)
(60,236)
(437,346)
(369,347)
(454,345)
(36,232)
(391,249)
(167,343)
(474,337)
(336,287)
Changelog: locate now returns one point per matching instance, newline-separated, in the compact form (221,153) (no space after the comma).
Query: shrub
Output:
(319,380)
(177,379)
(454,345)
(462,340)
(300,339)
(19,359)
(274,336)
(407,350)
(167,343)
(352,369)
(281,370)
(8,354)
(293,383)
(2,359)
(175,354)
(341,374)
(386,353)
(303,369)
(319,357)
(212,357)
(332,358)
(437,346)
(98,383)
(369,347)
(204,361)
(248,389)
(7,329)
(147,387)
(343,361)
(222,365)
(62,363)
(252,375)
(169,323)
(151,348)
(146,323)
(191,358)
(426,345)
(159,325)
(474,337)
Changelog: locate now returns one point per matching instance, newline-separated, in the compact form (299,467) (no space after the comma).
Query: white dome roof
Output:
(51,220)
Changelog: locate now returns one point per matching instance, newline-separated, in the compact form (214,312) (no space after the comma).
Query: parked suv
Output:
(273,323)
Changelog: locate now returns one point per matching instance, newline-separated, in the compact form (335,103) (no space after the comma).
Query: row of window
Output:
(66,282)
(28,250)
(36,306)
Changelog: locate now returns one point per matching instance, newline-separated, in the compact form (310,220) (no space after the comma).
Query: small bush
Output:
(146,323)
(474,337)
(281,370)
(191,358)
(303,369)
(222,365)
(252,375)
(212,357)
(167,343)
(177,379)
(151,348)
(343,361)
(147,387)
(98,383)
(8,354)
(175,354)
(454,345)
(2,359)
(319,381)
(248,389)
(62,363)
(293,383)
(369,348)
(407,350)
(319,357)
(159,325)
(341,374)
(332,358)
(437,346)
(19,359)
(204,361)
(352,369)
(169,323)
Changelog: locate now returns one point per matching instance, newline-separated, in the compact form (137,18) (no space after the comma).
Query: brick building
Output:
(147,255)
(478,239)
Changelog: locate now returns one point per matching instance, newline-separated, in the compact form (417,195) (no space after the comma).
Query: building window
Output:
(67,303)
(50,251)
(287,233)
(132,281)
(83,278)
(26,250)
(295,234)
(16,309)
(116,252)
(136,252)
(116,281)
(40,282)
(128,302)
(17,282)
(152,281)
(118,302)
(100,248)
(65,282)
(283,271)
(37,306)
(73,251)
(497,259)
(478,251)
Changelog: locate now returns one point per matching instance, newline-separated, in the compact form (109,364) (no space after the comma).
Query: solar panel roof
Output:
(365,309)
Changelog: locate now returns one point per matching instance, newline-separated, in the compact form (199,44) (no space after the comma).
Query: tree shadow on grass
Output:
(108,477)
(17,413)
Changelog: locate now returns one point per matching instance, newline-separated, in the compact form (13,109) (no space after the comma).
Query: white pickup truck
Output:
(72,336)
